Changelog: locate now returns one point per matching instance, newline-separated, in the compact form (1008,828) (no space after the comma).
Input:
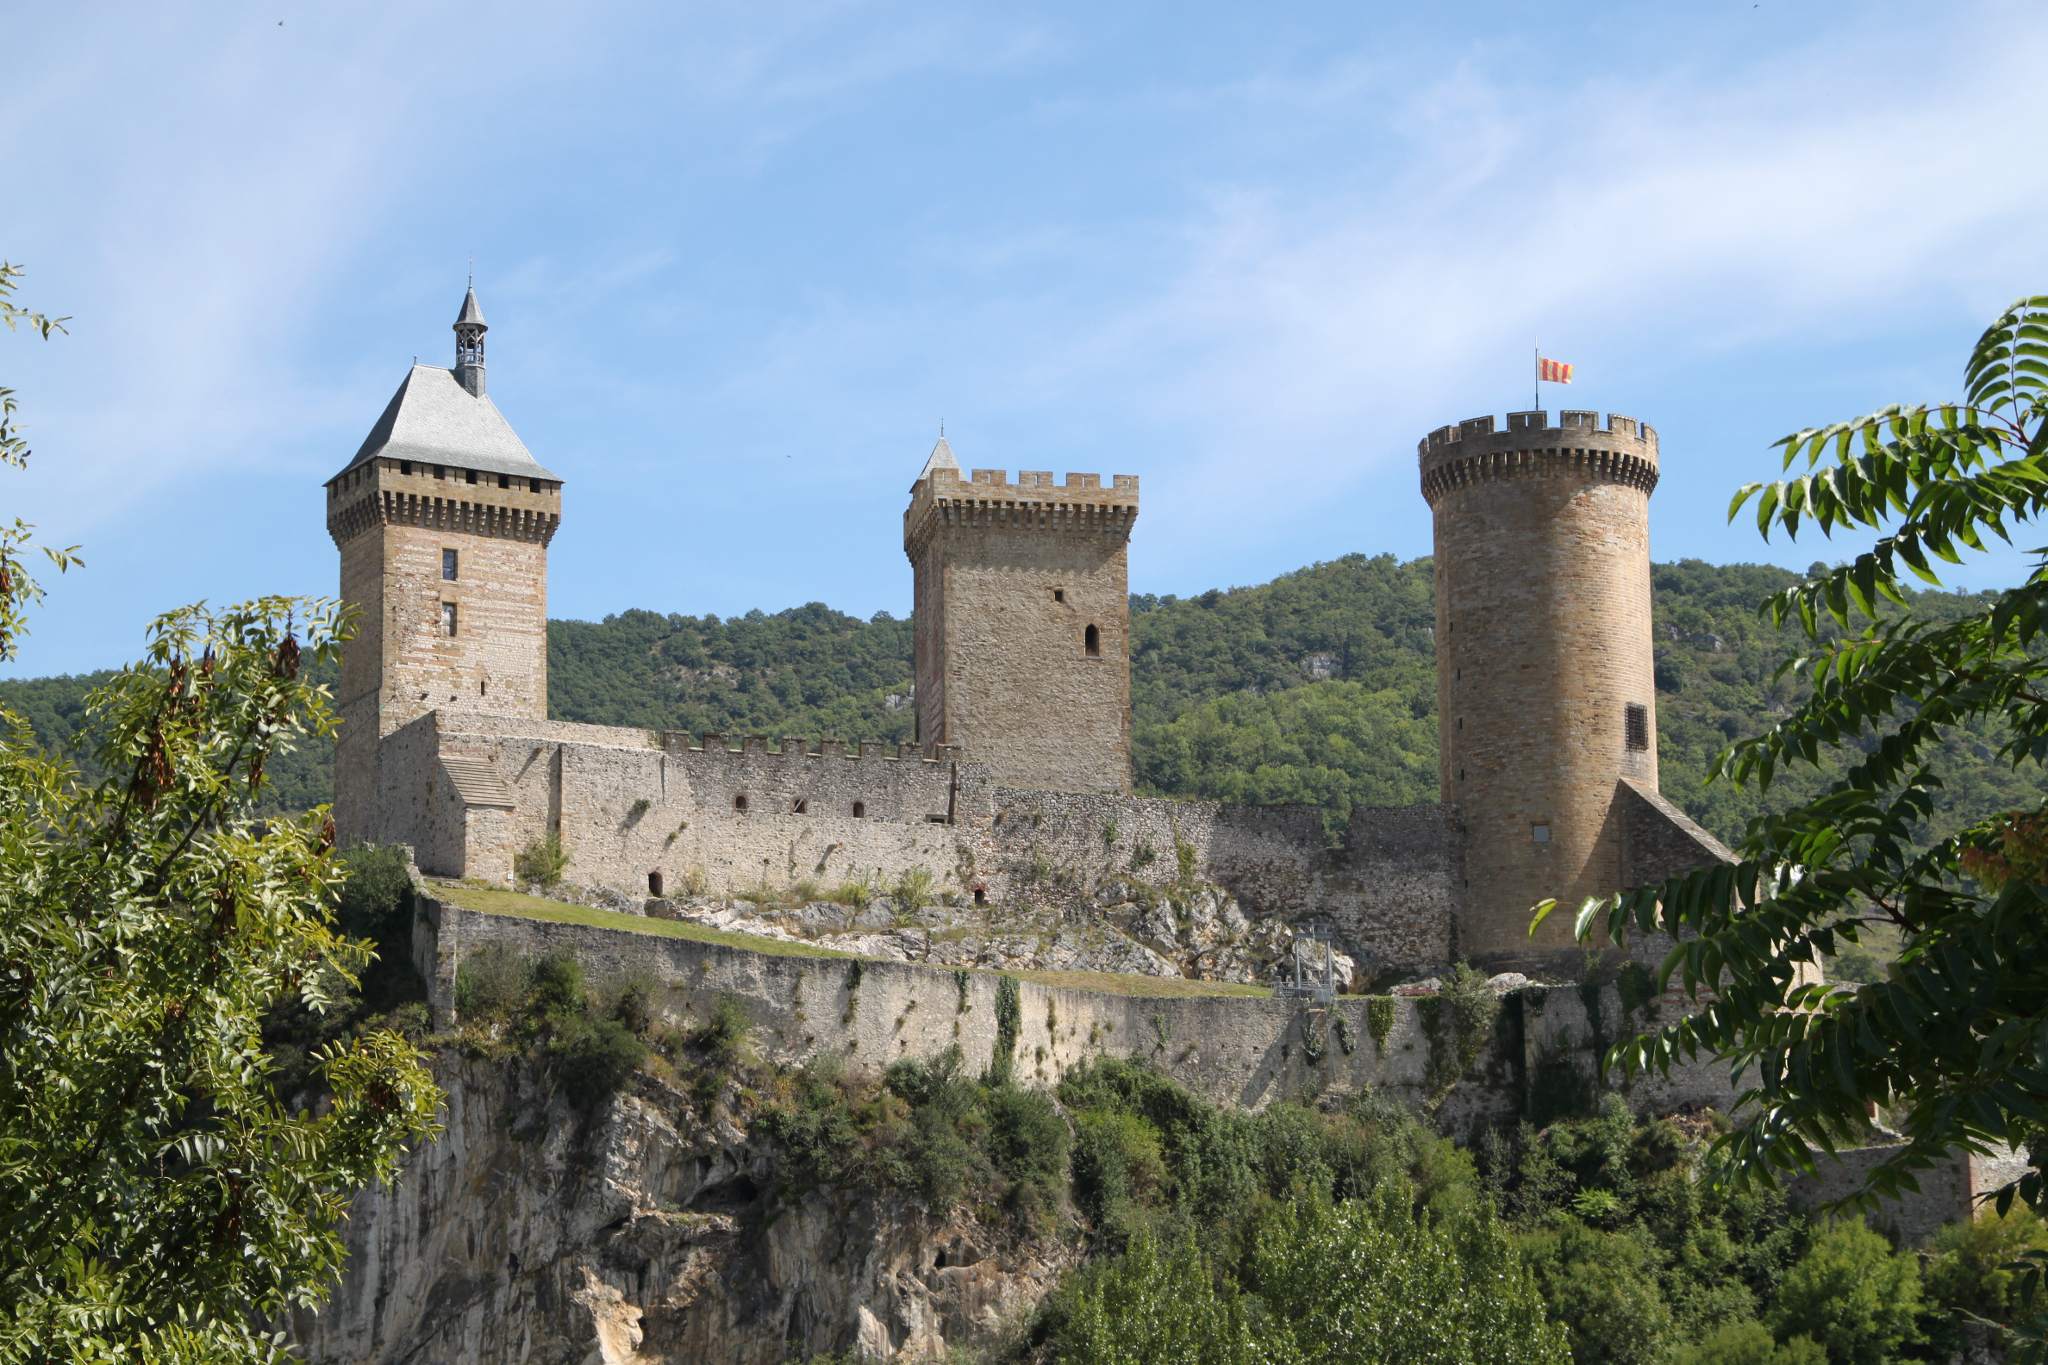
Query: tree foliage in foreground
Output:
(1953,1039)
(157,1201)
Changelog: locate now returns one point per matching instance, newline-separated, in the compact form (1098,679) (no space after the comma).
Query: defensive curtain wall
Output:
(650,813)
(1538,1059)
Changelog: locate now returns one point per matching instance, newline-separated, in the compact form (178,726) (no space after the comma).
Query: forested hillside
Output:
(1316,687)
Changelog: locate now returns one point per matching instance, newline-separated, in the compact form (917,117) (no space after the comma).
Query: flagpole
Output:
(1536,385)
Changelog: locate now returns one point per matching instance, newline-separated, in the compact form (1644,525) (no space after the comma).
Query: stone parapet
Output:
(1579,447)
(988,499)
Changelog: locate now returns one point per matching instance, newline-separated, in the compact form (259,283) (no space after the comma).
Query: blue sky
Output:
(740,260)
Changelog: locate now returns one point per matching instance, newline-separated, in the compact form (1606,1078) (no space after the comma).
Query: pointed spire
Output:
(940,458)
(469,344)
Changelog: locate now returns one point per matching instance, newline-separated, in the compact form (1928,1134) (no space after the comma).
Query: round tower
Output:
(1546,690)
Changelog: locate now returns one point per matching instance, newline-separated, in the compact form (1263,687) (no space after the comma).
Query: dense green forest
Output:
(1317,687)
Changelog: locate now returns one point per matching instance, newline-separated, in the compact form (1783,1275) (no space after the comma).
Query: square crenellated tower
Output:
(443,521)
(1022,622)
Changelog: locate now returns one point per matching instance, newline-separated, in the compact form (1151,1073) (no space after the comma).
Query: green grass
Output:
(494,901)
(1154,987)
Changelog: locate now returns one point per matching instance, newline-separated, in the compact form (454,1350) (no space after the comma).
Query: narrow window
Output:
(860,810)
(1638,726)
(1059,594)
(1092,642)
(504,481)
(1539,832)
(981,895)
(469,475)
(739,803)
(448,566)
(654,883)
(800,807)
(405,466)
(440,471)
(448,619)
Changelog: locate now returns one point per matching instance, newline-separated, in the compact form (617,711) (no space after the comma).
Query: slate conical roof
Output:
(472,312)
(940,458)
(434,419)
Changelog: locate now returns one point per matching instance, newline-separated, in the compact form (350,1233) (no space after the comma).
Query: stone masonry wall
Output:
(635,809)
(1543,641)
(1009,580)
(1386,893)
(1238,1050)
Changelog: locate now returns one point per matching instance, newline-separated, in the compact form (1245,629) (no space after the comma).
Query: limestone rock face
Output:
(642,1235)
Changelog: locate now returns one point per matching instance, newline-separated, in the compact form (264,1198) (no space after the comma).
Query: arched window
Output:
(739,803)
(860,810)
(1091,642)
(654,883)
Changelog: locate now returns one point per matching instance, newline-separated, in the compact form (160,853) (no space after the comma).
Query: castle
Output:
(1022,761)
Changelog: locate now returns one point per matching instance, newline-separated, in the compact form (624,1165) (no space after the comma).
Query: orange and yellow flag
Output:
(1553,371)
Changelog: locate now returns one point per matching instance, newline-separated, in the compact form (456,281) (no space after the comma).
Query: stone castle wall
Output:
(1240,1050)
(636,810)
(1543,642)
(1010,580)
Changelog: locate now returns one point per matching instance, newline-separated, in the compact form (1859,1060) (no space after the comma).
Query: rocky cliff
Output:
(647,1231)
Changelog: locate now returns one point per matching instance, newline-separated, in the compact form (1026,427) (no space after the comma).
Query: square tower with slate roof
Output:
(443,521)
(1022,622)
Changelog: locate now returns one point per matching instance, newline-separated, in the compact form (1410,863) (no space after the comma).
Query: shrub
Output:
(541,862)
(1750,1343)
(1340,1277)
(1603,1286)
(1853,1294)
(591,1058)
(491,984)
(554,986)
(855,895)
(376,901)
(725,1034)
(1002,1060)
(1152,1303)
(1119,1168)
(634,1004)
(913,890)
(1968,1272)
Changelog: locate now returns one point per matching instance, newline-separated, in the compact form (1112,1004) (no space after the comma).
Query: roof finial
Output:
(469,344)
(942,428)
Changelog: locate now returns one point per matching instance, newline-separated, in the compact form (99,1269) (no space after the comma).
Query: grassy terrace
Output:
(496,901)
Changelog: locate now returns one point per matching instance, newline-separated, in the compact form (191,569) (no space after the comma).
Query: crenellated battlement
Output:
(987,498)
(1620,450)
(798,747)
(390,492)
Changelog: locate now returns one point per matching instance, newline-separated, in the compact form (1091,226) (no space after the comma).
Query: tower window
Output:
(1091,642)
(860,810)
(1637,725)
(440,471)
(405,466)
(1059,594)
(739,803)
(470,475)
(654,883)
(504,481)
(800,807)
(448,560)
(1539,832)
(448,619)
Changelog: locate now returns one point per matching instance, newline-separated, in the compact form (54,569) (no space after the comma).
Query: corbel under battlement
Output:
(796,747)
(1618,450)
